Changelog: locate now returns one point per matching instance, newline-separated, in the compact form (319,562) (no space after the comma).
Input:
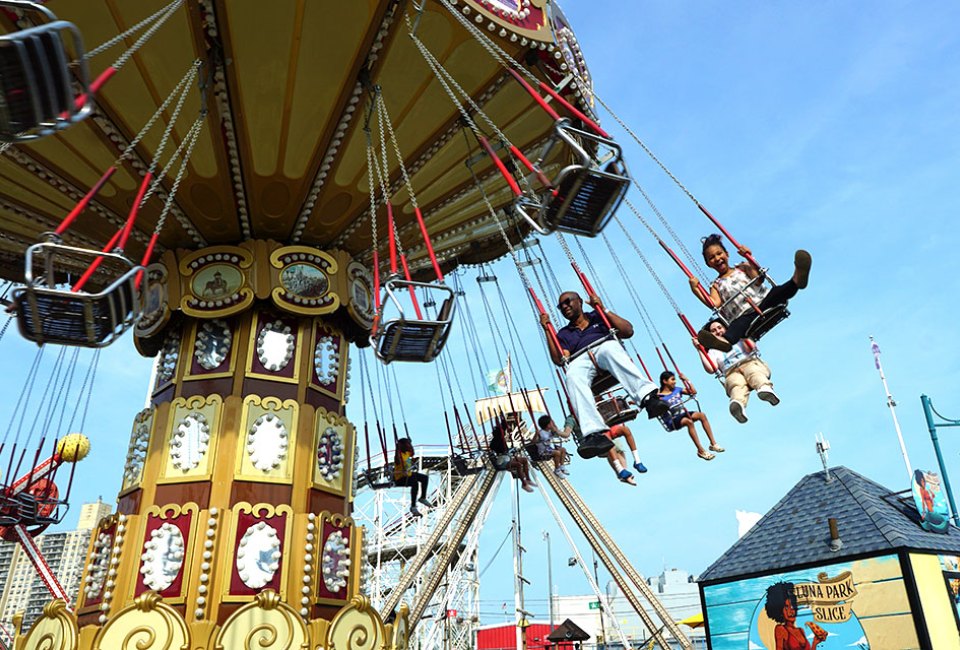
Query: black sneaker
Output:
(593,445)
(654,406)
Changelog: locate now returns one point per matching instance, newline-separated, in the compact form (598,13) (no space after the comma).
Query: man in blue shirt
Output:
(585,346)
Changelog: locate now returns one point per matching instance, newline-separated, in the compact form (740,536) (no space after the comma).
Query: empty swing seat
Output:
(37,84)
(585,194)
(616,410)
(379,478)
(413,339)
(47,313)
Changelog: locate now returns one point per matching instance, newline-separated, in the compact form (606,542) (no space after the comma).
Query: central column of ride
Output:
(233,523)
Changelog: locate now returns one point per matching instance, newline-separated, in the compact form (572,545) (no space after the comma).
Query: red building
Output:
(504,637)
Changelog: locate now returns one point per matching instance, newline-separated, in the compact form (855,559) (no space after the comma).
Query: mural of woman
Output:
(781,606)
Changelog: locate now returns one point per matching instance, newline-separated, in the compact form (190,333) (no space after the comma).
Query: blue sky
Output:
(822,125)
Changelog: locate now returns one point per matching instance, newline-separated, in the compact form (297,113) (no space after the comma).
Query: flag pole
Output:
(892,404)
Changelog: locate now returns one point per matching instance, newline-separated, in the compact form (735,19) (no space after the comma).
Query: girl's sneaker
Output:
(415,512)
(640,467)
(425,501)
(625,476)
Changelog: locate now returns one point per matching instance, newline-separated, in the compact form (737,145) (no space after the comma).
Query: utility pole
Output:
(603,629)
(546,537)
(929,412)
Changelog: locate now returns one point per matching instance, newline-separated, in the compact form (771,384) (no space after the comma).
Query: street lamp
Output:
(929,412)
(546,538)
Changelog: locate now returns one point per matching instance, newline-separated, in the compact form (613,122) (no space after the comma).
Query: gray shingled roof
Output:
(871,519)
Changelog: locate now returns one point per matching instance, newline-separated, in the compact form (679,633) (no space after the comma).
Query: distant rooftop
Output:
(871,519)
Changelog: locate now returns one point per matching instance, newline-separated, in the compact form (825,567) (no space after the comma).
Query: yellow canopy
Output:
(693,621)
(487,408)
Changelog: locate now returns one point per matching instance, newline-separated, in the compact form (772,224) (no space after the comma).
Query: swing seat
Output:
(766,321)
(469,463)
(379,478)
(47,313)
(615,410)
(407,339)
(585,194)
(36,82)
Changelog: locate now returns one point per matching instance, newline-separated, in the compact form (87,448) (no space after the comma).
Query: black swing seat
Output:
(37,84)
(378,478)
(47,313)
(410,339)
(766,321)
(585,194)
(468,463)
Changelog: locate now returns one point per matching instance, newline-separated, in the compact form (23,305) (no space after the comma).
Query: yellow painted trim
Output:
(211,408)
(255,406)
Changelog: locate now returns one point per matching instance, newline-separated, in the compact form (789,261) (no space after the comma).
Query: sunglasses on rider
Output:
(565,301)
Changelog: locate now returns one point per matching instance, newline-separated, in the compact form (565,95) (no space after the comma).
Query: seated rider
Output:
(547,448)
(617,458)
(585,347)
(679,416)
(504,458)
(405,476)
(742,371)
(734,290)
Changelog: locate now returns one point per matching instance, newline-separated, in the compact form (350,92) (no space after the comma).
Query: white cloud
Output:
(862,641)
(755,646)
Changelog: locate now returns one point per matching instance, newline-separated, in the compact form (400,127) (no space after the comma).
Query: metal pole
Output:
(603,630)
(546,536)
(892,404)
(928,413)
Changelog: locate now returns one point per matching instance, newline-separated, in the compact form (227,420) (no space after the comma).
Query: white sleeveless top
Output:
(731,285)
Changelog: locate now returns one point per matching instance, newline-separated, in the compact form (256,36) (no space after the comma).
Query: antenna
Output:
(892,404)
(822,448)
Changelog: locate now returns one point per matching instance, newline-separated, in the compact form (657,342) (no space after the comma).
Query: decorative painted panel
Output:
(304,280)
(216,281)
(211,350)
(338,559)
(856,604)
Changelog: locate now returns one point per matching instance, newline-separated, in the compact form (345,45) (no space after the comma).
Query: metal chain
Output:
(146,35)
(187,78)
(168,129)
(192,136)
(632,290)
(646,262)
(373,199)
(129,32)
(382,108)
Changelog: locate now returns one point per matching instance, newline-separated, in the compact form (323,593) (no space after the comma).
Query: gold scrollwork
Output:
(267,623)
(146,624)
(401,628)
(356,627)
(56,629)
(172,510)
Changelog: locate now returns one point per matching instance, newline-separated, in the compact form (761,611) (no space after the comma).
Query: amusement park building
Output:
(873,579)
(64,551)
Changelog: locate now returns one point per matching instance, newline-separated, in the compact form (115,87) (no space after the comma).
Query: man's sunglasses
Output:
(565,301)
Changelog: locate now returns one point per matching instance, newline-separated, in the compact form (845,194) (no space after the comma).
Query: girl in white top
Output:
(739,291)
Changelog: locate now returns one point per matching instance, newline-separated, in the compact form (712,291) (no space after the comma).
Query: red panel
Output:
(244,521)
(182,524)
(327,530)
